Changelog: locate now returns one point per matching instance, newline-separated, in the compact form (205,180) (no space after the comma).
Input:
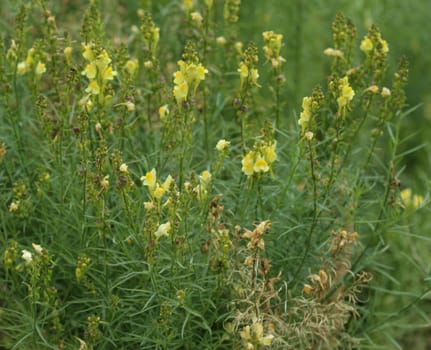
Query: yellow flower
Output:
(243,72)
(309,135)
(159,192)
(238,46)
(29,59)
(221,40)
(105,182)
(196,17)
(417,200)
(245,333)
(21,68)
(304,117)
(222,145)
(385,47)
(67,51)
(103,60)
(163,112)
(93,88)
(130,106)
(257,329)
(90,71)
(88,51)
(248,164)
(14,206)
(346,92)
(410,200)
(163,230)
(27,256)
(254,75)
(131,66)
(124,168)
(108,73)
(180,92)
(386,92)
(366,44)
(333,52)
(40,68)
(148,64)
(188,4)
(260,165)
(269,153)
(267,340)
(150,179)
(37,247)
(205,178)
(167,184)
(373,88)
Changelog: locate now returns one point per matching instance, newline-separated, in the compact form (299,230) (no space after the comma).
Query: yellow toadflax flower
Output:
(163,112)
(67,51)
(87,51)
(304,117)
(346,92)
(124,168)
(93,88)
(163,230)
(180,92)
(27,256)
(21,68)
(149,180)
(14,206)
(197,18)
(333,52)
(131,66)
(410,200)
(260,165)
(366,45)
(222,145)
(90,71)
(37,247)
(248,164)
(40,68)
(108,73)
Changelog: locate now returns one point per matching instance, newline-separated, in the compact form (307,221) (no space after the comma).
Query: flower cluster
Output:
(410,200)
(231,11)
(333,52)
(150,33)
(305,116)
(370,43)
(187,78)
(272,48)
(32,63)
(201,189)
(98,70)
(248,74)
(157,189)
(163,230)
(310,105)
(27,256)
(260,159)
(252,337)
(346,93)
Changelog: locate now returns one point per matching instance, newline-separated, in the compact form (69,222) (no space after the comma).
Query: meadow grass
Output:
(170,179)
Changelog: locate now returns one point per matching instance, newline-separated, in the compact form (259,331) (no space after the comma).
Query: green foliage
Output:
(160,192)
